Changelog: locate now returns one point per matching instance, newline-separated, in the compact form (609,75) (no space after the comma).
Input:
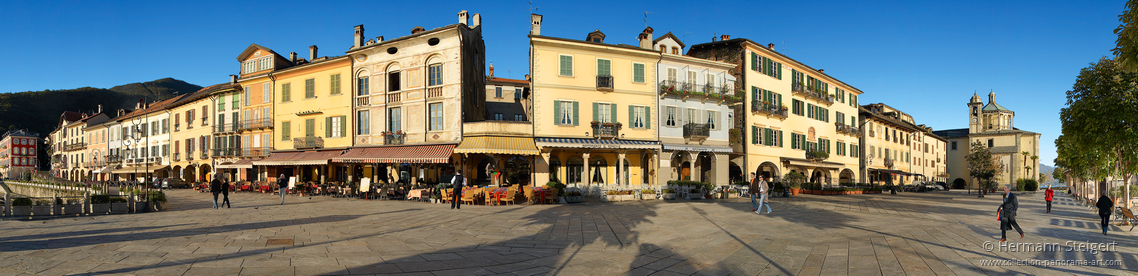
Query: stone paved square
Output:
(939,233)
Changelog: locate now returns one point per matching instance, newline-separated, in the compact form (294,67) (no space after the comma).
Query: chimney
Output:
(770,46)
(527,77)
(100,109)
(646,38)
(379,39)
(462,18)
(477,21)
(359,38)
(535,24)
(140,104)
(292,57)
(417,29)
(233,78)
(724,37)
(823,71)
(312,53)
(491,69)
(713,39)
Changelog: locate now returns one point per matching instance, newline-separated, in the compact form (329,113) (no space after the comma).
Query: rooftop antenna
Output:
(646,18)
(784,47)
(531,7)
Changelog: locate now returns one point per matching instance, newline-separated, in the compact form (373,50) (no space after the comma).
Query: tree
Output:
(1126,46)
(1058,175)
(1043,178)
(982,165)
(1100,135)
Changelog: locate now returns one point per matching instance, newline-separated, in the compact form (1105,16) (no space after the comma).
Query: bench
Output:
(1128,216)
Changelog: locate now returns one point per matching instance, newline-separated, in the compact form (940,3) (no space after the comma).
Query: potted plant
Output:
(628,195)
(793,181)
(119,205)
(158,200)
(21,207)
(41,208)
(435,199)
(574,196)
(669,194)
(648,194)
(618,125)
(595,123)
(610,196)
(100,204)
(74,208)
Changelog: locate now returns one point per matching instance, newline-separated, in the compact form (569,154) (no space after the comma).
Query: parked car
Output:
(174,182)
(944,186)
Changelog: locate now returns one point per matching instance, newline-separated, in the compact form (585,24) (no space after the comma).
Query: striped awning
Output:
(497,145)
(298,158)
(595,143)
(436,154)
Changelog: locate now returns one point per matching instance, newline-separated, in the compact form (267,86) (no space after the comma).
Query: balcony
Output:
(363,101)
(606,130)
(394,97)
(817,156)
(847,129)
(177,157)
(435,92)
(889,163)
(685,90)
(225,152)
(256,152)
(204,155)
(697,131)
(256,124)
(307,142)
(393,138)
(811,92)
(604,83)
(75,146)
(768,108)
(225,128)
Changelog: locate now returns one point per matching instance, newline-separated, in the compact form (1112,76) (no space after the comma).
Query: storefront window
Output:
(573,169)
(555,169)
(599,170)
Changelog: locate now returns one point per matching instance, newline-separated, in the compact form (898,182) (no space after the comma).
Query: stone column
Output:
(7,204)
(620,168)
(656,177)
(585,175)
(694,175)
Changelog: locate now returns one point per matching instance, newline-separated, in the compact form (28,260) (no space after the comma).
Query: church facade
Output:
(992,125)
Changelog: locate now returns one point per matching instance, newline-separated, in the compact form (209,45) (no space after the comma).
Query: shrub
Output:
(647,191)
(560,187)
(669,191)
(573,193)
(118,199)
(100,199)
(1032,185)
(21,202)
(157,196)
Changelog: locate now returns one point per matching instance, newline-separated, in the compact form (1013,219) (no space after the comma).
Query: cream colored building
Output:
(898,150)
(993,126)
(191,133)
(791,110)
(592,110)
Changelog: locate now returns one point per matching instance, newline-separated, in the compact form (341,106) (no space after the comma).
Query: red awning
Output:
(438,154)
(298,158)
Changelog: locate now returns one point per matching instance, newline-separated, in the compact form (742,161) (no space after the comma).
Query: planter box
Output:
(610,198)
(670,196)
(120,208)
(574,199)
(695,196)
(157,206)
(141,207)
(100,208)
(72,209)
(41,210)
(648,196)
(627,197)
(21,211)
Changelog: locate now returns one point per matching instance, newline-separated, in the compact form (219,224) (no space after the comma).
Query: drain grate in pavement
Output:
(280,242)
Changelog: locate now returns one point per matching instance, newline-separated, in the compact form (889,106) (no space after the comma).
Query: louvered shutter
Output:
(631,115)
(612,111)
(328,127)
(648,117)
(343,125)
(596,115)
(754,135)
(556,112)
(576,112)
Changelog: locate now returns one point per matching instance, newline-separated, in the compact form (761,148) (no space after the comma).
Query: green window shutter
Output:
(576,112)
(604,67)
(343,125)
(285,130)
(612,111)
(309,127)
(596,115)
(766,137)
(336,86)
(631,114)
(638,72)
(328,126)
(754,62)
(309,88)
(286,90)
(566,65)
(780,134)
(754,135)
(556,112)
(648,117)
(755,94)
(779,99)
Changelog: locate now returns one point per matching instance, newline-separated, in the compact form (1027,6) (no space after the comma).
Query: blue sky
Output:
(923,58)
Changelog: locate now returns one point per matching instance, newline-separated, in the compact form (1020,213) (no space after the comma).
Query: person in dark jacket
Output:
(215,188)
(1105,207)
(225,191)
(282,186)
(1048,195)
(459,182)
(1008,214)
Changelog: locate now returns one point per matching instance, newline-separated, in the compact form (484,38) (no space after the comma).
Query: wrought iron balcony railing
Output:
(604,83)
(393,139)
(768,108)
(811,92)
(256,124)
(308,142)
(847,129)
(606,130)
(256,152)
(697,131)
(703,91)
(225,128)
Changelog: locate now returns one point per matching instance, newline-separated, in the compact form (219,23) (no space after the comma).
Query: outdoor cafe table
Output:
(416,193)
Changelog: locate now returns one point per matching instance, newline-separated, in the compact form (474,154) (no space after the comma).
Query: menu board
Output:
(365,184)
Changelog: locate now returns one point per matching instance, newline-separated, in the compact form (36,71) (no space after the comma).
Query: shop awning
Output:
(595,143)
(812,164)
(436,154)
(888,171)
(139,169)
(698,148)
(298,158)
(107,169)
(497,145)
(240,164)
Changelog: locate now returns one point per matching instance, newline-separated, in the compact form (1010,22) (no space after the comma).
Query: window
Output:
(498,92)
(286,130)
(436,120)
(675,50)
(266,93)
(335,126)
(309,88)
(498,116)
(991,142)
(953,145)
(638,72)
(435,74)
(693,116)
(248,67)
(363,127)
(670,113)
(566,66)
(691,78)
(797,107)
(221,102)
(638,116)
(518,94)
(266,63)
(334,84)
(672,75)
(362,83)
(566,113)
(286,92)
(309,127)
(394,119)
(519,117)
(712,116)
(602,112)
(393,81)
(604,67)
(246,94)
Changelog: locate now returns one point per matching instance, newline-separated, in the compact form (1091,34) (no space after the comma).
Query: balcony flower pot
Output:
(100,208)
(120,207)
(22,211)
(41,210)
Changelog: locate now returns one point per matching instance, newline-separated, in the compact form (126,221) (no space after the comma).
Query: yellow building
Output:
(898,150)
(792,113)
(247,132)
(312,116)
(592,118)
(992,125)
(191,133)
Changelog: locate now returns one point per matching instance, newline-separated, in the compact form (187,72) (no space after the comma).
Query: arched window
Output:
(393,78)
(434,71)
(362,85)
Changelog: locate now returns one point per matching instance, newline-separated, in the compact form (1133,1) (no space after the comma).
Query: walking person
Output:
(754,191)
(215,188)
(1105,207)
(1007,212)
(764,189)
(225,191)
(282,186)
(1048,195)
(459,182)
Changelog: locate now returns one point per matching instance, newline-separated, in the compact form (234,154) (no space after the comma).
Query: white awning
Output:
(698,148)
